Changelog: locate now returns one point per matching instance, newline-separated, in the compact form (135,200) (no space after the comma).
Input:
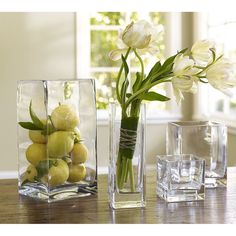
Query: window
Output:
(97,35)
(209,102)
(222,30)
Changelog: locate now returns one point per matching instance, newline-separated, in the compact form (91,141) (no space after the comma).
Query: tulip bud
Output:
(201,52)
(185,78)
(221,75)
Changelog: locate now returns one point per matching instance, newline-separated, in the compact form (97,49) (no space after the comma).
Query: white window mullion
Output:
(201,98)
(173,43)
(104,69)
(226,106)
(105,27)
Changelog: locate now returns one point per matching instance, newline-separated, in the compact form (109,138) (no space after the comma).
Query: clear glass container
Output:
(57,156)
(180,178)
(126,179)
(207,140)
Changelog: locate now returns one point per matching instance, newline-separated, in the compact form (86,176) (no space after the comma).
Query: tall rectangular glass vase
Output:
(126,180)
(57,154)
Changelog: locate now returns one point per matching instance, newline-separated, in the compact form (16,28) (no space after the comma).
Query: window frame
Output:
(172,32)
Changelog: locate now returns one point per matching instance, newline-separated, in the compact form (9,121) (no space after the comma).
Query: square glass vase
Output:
(57,155)
(180,178)
(205,139)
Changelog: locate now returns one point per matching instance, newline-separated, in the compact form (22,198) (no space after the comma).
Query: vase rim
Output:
(201,123)
(179,158)
(56,80)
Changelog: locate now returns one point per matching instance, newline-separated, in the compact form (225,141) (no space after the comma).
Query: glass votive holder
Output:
(180,178)
(204,139)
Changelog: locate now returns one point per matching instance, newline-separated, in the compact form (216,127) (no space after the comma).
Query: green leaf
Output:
(34,117)
(153,96)
(29,125)
(49,128)
(126,68)
(137,82)
(182,51)
(155,69)
(160,70)
(124,89)
(168,64)
(43,167)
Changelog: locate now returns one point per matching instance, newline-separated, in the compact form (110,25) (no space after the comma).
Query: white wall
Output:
(32,46)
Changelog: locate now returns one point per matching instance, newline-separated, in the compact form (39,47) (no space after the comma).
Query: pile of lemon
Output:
(60,156)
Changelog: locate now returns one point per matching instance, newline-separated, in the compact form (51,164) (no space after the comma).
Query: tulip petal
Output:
(183,83)
(120,44)
(221,76)
(115,55)
(183,65)
(178,94)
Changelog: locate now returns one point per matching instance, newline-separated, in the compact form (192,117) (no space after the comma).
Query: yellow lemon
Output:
(60,143)
(76,172)
(79,153)
(64,117)
(57,174)
(30,173)
(35,153)
(36,136)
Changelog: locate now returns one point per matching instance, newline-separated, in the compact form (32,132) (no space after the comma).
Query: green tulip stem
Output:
(128,136)
(141,64)
(132,184)
(124,170)
(119,76)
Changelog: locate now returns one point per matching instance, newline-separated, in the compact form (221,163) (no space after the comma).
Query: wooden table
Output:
(218,207)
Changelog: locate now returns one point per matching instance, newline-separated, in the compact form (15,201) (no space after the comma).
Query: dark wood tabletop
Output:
(219,207)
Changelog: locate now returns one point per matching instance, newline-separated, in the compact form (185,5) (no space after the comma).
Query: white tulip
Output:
(137,35)
(141,36)
(183,65)
(183,84)
(184,79)
(221,75)
(201,52)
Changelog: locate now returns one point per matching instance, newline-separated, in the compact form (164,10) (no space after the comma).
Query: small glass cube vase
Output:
(180,178)
(57,156)
(126,178)
(205,139)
